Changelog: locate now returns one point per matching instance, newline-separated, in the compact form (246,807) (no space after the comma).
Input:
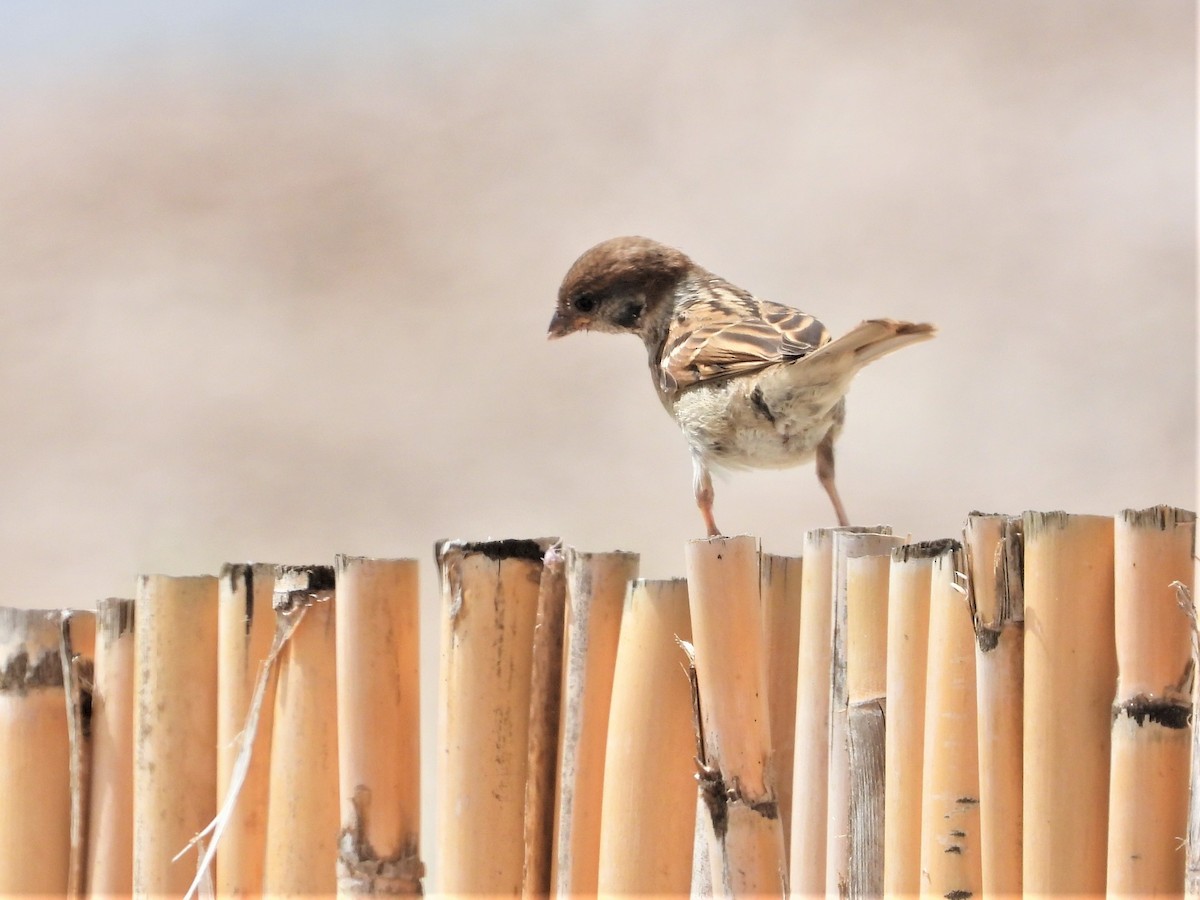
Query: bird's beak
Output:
(561,325)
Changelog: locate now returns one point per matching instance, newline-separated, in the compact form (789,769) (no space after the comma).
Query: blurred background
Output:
(275,278)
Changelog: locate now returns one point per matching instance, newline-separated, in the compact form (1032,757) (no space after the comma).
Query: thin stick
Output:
(175,721)
(378,703)
(302,811)
(544,713)
(993,559)
(597,584)
(950,860)
(723,585)
(489,605)
(35,763)
(646,833)
(1151,741)
(1070,677)
(78,657)
(110,820)
(781,584)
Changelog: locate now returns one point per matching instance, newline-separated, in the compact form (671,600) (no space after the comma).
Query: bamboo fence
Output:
(1010,713)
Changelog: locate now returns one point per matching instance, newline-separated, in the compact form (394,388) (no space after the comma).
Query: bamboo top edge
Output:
(147,577)
(827,533)
(344,561)
(658,582)
(925,550)
(1160,518)
(622,555)
(1035,522)
(531,549)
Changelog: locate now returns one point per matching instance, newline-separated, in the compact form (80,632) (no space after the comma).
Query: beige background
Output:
(276,280)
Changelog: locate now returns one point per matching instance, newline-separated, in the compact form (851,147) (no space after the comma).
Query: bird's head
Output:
(615,285)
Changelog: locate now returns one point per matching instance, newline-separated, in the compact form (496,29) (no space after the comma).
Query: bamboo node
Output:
(1165,711)
(362,871)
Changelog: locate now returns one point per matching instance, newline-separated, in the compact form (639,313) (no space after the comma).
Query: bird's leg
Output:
(825,476)
(702,485)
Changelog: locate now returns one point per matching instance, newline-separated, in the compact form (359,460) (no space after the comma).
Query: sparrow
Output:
(752,384)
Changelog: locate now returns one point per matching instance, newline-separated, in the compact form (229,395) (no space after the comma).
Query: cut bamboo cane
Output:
(703,834)
(302,809)
(79,664)
(489,601)
(649,803)
(1191,883)
(544,715)
(950,851)
(1070,681)
(810,769)
(35,760)
(1151,742)
(597,585)
(738,780)
(378,704)
(245,631)
(781,582)
(110,814)
(854,829)
(993,559)
(175,723)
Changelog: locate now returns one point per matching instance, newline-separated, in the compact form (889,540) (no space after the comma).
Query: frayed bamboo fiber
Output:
(544,714)
(110,807)
(597,585)
(79,664)
(489,604)
(302,809)
(245,630)
(378,706)
(907,643)
(1151,741)
(950,851)
(746,853)
(1070,681)
(35,755)
(175,726)
(781,582)
(993,559)
(858,667)
(810,768)
(1191,878)
(649,803)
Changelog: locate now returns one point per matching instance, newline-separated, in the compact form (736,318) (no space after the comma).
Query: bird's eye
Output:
(585,302)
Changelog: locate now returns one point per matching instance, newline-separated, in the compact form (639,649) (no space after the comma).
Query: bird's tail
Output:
(869,340)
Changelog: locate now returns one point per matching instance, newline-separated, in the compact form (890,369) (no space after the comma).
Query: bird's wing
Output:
(727,331)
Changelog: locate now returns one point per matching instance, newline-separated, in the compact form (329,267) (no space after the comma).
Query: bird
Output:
(751,383)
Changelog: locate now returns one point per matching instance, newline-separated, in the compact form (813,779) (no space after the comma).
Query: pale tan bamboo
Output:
(781,582)
(79,664)
(110,814)
(649,803)
(489,604)
(35,760)
(854,830)
(245,630)
(175,725)
(544,714)
(810,769)
(597,585)
(993,559)
(950,852)
(1070,679)
(1151,741)
(907,643)
(703,833)
(302,808)
(1191,880)
(379,728)
(723,585)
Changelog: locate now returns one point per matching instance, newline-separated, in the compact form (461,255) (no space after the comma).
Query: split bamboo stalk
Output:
(738,779)
(1070,681)
(1151,742)
(489,602)
(35,764)
(993,559)
(781,582)
(1191,880)
(79,663)
(950,851)
(703,836)
(810,769)
(379,728)
(175,724)
(302,808)
(110,813)
(245,631)
(649,804)
(854,829)
(544,715)
(597,585)
(907,643)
